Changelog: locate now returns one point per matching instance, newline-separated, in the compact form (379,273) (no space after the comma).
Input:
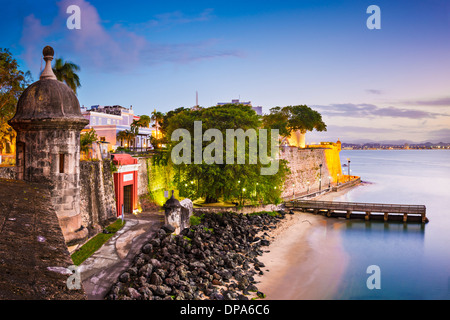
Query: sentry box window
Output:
(61,162)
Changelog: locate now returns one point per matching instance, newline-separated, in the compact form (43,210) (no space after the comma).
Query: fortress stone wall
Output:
(97,205)
(305,167)
(97,202)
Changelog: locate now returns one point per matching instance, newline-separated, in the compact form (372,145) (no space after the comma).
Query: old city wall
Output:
(97,205)
(33,252)
(8,172)
(143,175)
(305,168)
(155,180)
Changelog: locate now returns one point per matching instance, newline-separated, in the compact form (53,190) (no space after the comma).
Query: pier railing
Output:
(354,209)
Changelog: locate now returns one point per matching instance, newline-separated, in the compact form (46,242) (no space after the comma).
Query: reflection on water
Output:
(414,259)
(370,227)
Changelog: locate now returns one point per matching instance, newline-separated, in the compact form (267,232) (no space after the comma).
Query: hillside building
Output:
(108,121)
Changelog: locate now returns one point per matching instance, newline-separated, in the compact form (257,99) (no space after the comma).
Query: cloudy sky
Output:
(391,84)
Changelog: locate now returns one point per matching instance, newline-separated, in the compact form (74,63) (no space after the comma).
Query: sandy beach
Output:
(305,259)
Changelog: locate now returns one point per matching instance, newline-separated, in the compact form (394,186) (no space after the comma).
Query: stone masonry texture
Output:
(33,255)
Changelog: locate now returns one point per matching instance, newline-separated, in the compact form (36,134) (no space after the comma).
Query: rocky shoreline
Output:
(216,259)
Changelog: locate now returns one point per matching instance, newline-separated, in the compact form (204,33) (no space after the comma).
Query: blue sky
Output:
(387,84)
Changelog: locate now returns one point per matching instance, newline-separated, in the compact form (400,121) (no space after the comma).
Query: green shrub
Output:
(195,221)
(96,242)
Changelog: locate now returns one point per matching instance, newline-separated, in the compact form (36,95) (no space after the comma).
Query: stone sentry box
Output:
(177,213)
(48,122)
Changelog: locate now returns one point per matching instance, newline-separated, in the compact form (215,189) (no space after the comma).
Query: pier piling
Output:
(366,211)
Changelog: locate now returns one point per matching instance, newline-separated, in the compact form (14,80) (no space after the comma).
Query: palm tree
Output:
(126,135)
(144,121)
(158,117)
(65,71)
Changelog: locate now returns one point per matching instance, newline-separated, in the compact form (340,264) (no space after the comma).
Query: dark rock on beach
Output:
(215,260)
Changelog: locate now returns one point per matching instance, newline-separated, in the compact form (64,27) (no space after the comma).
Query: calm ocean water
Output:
(414,260)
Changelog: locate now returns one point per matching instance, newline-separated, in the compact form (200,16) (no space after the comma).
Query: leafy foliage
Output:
(292,118)
(236,182)
(144,121)
(87,139)
(126,135)
(66,71)
(13,82)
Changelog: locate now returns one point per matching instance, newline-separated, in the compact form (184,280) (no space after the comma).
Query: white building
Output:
(108,121)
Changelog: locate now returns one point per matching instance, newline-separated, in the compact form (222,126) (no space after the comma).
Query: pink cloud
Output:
(108,50)
(32,39)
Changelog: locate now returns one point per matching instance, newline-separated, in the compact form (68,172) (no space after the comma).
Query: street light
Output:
(293,190)
(337,182)
(329,182)
(320,179)
(348,168)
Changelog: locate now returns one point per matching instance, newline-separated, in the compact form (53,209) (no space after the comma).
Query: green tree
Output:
(144,121)
(157,117)
(13,82)
(304,118)
(226,181)
(134,127)
(7,136)
(292,118)
(87,139)
(66,71)
(278,118)
(126,135)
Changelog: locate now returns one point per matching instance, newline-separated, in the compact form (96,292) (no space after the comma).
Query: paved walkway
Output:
(100,271)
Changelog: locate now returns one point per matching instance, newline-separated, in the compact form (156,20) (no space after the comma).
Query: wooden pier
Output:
(367,211)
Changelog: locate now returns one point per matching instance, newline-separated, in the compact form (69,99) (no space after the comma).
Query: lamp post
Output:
(329,182)
(320,178)
(307,183)
(256,191)
(337,182)
(348,168)
(293,191)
